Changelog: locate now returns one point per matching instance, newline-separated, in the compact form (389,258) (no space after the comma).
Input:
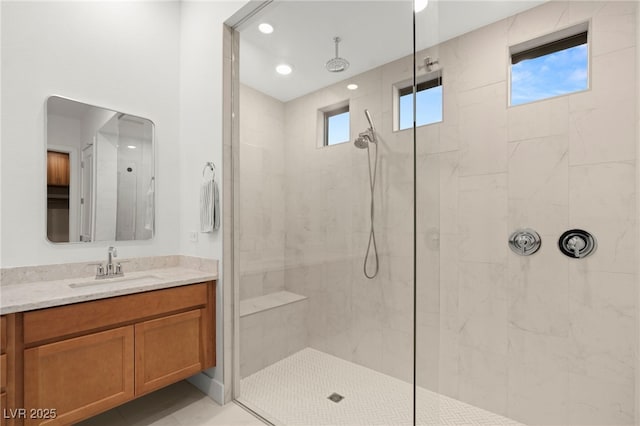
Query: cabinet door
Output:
(3,334)
(3,406)
(58,168)
(79,377)
(168,349)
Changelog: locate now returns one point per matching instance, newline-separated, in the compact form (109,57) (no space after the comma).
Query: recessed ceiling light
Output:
(265,28)
(420,5)
(131,146)
(284,69)
(352,86)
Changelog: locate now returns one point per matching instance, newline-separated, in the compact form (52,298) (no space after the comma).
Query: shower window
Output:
(428,103)
(336,126)
(549,66)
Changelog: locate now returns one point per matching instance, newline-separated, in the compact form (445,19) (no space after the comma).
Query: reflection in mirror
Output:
(100,174)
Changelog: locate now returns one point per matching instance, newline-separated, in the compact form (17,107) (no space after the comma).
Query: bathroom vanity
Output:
(70,361)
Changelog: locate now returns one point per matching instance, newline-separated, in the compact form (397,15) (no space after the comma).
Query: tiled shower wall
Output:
(262,210)
(365,321)
(543,339)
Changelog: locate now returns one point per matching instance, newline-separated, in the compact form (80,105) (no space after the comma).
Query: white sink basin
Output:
(145,279)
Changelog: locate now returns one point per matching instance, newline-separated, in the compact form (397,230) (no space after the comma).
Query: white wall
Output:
(106,187)
(92,121)
(200,114)
(120,55)
(201,136)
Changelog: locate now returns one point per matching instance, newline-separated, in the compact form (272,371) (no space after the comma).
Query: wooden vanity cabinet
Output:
(168,349)
(11,365)
(73,379)
(85,358)
(3,368)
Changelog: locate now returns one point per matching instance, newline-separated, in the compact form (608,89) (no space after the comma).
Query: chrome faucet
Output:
(111,253)
(110,270)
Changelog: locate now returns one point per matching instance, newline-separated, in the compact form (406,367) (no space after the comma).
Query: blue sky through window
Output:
(550,75)
(338,128)
(428,108)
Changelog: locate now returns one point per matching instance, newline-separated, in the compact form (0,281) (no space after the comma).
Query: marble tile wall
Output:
(327,210)
(262,197)
(542,339)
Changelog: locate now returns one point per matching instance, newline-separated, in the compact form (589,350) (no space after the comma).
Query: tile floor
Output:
(295,391)
(180,404)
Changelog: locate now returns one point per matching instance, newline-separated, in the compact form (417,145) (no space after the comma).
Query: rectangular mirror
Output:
(100,174)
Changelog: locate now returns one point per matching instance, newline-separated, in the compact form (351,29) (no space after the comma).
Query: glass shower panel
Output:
(320,343)
(435,179)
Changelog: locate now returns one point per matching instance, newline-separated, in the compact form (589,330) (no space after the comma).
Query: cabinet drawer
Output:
(79,377)
(168,349)
(50,324)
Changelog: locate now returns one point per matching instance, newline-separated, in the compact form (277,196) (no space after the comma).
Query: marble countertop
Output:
(28,296)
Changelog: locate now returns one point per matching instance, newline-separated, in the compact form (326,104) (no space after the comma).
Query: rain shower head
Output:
(337,64)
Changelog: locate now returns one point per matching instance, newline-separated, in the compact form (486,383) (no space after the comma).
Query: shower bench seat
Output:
(268,301)
(272,327)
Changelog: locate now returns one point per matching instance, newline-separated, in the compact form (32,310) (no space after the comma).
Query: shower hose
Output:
(372,232)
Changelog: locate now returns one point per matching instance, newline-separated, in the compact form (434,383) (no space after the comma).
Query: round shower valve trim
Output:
(577,243)
(524,242)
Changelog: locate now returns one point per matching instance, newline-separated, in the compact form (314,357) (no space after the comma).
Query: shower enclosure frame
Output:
(231,199)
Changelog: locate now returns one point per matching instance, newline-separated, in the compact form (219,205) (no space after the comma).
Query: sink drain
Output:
(335,397)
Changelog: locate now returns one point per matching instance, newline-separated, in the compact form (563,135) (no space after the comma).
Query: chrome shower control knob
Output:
(577,243)
(524,242)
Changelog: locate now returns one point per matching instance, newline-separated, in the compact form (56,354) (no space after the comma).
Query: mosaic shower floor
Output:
(295,391)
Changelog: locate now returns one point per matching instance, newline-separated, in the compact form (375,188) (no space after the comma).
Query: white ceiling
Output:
(373,33)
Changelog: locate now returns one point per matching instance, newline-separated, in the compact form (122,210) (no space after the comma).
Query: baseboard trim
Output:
(211,387)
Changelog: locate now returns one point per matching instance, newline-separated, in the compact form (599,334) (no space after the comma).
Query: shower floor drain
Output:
(335,397)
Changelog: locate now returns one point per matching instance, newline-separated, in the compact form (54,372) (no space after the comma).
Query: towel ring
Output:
(209,165)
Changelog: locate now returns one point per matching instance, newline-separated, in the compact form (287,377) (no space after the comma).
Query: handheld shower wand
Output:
(364,140)
(370,120)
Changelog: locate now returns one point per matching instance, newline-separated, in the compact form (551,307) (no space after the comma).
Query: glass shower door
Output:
(326,166)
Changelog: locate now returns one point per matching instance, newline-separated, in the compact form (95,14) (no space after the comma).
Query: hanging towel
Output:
(148,213)
(206,206)
(216,206)
(209,202)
